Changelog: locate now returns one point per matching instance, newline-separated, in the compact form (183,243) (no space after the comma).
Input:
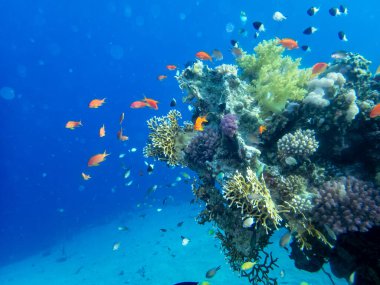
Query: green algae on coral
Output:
(274,78)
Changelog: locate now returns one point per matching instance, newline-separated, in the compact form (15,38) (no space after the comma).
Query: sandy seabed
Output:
(146,255)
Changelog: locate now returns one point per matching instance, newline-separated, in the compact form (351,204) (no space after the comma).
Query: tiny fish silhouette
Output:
(211,273)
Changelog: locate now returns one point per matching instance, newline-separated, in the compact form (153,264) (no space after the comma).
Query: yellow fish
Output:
(85,176)
(248,265)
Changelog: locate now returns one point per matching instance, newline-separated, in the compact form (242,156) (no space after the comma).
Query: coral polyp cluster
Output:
(282,149)
(347,204)
(301,144)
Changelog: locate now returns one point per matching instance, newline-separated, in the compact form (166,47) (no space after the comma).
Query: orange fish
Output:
(97,158)
(318,68)
(121,118)
(73,124)
(198,123)
(120,135)
(288,43)
(171,67)
(151,103)
(85,176)
(161,77)
(138,104)
(375,111)
(102,131)
(203,56)
(262,129)
(96,103)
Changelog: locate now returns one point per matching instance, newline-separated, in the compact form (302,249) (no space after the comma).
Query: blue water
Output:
(59,55)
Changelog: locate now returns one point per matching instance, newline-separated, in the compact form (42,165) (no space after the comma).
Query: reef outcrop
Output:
(282,149)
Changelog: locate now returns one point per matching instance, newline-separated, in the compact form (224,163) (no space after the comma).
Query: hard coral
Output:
(165,138)
(202,147)
(301,144)
(347,204)
(274,78)
(228,125)
(253,197)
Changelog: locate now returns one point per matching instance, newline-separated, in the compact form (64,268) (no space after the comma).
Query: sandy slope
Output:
(146,255)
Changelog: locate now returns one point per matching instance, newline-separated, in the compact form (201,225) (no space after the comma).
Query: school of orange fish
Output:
(97,159)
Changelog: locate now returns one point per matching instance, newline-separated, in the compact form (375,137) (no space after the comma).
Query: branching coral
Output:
(274,78)
(166,138)
(260,271)
(253,197)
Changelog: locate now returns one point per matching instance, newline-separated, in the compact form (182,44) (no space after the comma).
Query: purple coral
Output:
(203,147)
(228,125)
(347,204)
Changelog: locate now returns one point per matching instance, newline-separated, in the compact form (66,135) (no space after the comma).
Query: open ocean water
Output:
(116,227)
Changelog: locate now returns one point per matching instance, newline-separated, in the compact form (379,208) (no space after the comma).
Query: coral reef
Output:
(355,68)
(274,78)
(347,204)
(228,125)
(282,149)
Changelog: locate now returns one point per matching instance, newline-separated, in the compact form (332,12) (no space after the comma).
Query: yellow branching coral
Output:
(165,138)
(274,78)
(303,230)
(253,197)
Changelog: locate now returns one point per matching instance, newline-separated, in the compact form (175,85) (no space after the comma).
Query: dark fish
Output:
(258,26)
(342,36)
(343,10)
(334,11)
(339,54)
(150,167)
(305,48)
(173,102)
(187,283)
(234,43)
(192,201)
(211,273)
(310,30)
(163,230)
(312,11)
(180,224)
